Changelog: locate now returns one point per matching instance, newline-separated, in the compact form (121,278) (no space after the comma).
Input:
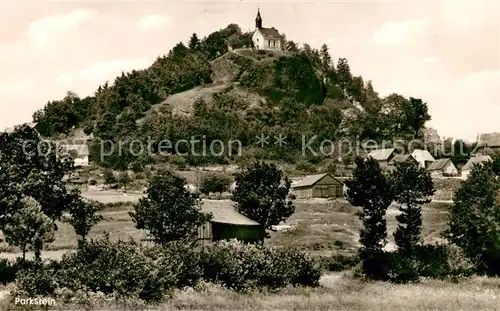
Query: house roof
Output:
(381,154)
(311,180)
(398,158)
(223,211)
(270,32)
(81,150)
(424,155)
(438,165)
(478,159)
(489,140)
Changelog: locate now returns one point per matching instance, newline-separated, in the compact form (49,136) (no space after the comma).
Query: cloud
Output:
(152,22)
(85,81)
(430,60)
(44,34)
(401,33)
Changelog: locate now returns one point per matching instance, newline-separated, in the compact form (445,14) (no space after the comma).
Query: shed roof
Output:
(438,165)
(477,159)
(381,154)
(489,140)
(223,211)
(422,154)
(400,158)
(310,180)
(270,32)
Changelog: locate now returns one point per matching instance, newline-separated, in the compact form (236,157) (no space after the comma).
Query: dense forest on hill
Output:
(306,93)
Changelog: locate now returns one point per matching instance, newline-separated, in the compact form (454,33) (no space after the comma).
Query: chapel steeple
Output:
(258,20)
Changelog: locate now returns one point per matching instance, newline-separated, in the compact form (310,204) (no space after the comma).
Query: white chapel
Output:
(266,38)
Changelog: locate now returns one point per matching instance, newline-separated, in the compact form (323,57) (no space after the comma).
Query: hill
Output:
(208,90)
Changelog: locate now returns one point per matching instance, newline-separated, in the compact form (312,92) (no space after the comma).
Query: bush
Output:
(243,267)
(179,161)
(214,183)
(92,182)
(7,271)
(338,262)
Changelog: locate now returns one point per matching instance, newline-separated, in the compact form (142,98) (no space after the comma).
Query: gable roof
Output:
(439,164)
(398,158)
(381,154)
(489,140)
(310,180)
(477,159)
(270,33)
(422,154)
(81,150)
(223,211)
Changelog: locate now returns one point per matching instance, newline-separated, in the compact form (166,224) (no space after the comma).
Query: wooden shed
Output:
(442,167)
(400,158)
(227,223)
(383,156)
(318,186)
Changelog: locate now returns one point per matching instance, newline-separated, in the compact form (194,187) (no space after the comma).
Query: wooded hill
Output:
(204,89)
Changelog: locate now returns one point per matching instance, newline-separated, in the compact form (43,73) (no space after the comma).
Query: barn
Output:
(477,159)
(318,186)
(442,167)
(227,223)
(383,156)
(400,158)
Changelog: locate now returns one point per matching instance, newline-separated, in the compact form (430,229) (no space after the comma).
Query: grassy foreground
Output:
(336,293)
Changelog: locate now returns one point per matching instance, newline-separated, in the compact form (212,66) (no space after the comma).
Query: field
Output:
(319,226)
(337,292)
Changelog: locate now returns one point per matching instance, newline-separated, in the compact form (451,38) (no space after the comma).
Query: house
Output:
(266,38)
(442,167)
(80,153)
(423,157)
(400,158)
(382,156)
(478,159)
(489,143)
(318,186)
(226,224)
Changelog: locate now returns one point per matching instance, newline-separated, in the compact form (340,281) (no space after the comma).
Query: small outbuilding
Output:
(442,168)
(423,157)
(478,159)
(318,186)
(400,158)
(383,156)
(227,223)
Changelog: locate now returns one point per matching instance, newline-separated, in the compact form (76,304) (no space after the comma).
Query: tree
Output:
(326,59)
(214,183)
(418,114)
(32,167)
(194,42)
(496,165)
(262,194)
(83,216)
(169,211)
(344,73)
(30,228)
(124,179)
(474,222)
(109,176)
(370,190)
(412,186)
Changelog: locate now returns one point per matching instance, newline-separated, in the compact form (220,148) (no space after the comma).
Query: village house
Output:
(266,38)
(489,143)
(478,159)
(383,156)
(400,158)
(80,153)
(442,168)
(318,186)
(226,224)
(423,157)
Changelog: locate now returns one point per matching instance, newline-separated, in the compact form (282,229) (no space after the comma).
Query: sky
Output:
(445,52)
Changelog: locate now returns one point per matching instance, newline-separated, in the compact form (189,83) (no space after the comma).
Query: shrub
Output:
(179,161)
(214,183)
(92,182)
(37,279)
(338,262)
(7,271)
(242,267)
